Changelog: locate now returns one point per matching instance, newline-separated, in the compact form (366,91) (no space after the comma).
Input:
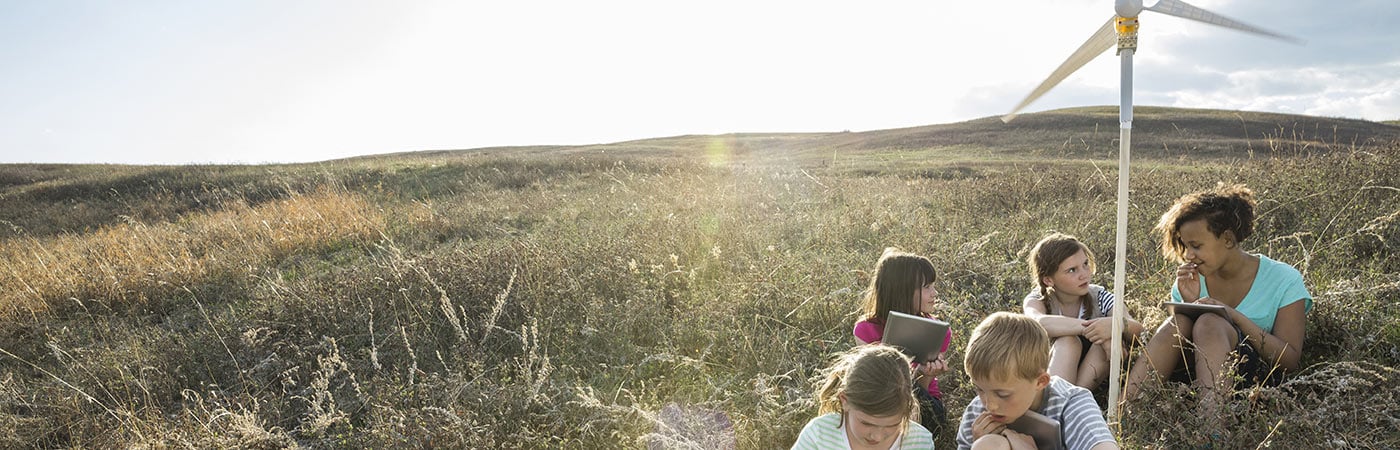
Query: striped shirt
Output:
(825,432)
(1081,424)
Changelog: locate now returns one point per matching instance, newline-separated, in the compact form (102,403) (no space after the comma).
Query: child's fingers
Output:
(983,426)
(1097,330)
(1018,440)
(979,426)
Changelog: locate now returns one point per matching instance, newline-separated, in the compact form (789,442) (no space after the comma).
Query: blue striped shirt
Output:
(1081,423)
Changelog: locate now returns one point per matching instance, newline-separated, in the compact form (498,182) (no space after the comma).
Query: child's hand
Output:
(1019,441)
(1230,312)
(1187,282)
(1098,331)
(925,373)
(1210,301)
(939,366)
(984,425)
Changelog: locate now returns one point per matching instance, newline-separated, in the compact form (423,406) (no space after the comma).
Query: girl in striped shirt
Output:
(865,401)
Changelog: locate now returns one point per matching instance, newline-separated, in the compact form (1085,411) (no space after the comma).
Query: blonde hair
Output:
(1045,259)
(875,380)
(1007,345)
(1224,208)
(898,276)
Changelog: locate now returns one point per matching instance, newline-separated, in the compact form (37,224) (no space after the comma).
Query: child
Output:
(864,402)
(903,282)
(1006,359)
(1077,314)
(1266,302)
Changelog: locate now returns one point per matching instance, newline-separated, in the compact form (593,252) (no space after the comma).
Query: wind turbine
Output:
(1122,28)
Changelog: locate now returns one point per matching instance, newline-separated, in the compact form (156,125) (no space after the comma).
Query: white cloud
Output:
(1369,92)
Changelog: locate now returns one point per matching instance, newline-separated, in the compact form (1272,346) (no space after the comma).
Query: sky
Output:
(260,81)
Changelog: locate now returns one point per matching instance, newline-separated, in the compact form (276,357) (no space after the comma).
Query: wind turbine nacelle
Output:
(1127,8)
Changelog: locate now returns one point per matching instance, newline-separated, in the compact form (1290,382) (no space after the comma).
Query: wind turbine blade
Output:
(1183,10)
(1100,41)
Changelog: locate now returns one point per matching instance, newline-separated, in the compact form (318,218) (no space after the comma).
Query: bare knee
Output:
(992,442)
(1070,345)
(1098,355)
(1094,369)
(1179,325)
(1213,329)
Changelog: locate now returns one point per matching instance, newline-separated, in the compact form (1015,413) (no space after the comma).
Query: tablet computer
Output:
(1044,430)
(919,337)
(1194,309)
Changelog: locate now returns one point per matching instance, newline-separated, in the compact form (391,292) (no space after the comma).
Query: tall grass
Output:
(540,301)
(133,263)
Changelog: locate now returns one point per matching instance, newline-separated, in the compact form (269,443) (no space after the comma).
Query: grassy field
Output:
(678,292)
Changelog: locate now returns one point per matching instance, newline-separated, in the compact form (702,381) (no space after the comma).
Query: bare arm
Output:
(1131,327)
(1055,325)
(1100,330)
(1285,345)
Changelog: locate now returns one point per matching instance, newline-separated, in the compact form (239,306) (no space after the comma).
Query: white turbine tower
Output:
(1123,26)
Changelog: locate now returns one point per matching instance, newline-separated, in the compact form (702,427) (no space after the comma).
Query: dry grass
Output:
(547,301)
(135,262)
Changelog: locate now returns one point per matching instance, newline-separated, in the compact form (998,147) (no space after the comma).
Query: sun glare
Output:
(718,152)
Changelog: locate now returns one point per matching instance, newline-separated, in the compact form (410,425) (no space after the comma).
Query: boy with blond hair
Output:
(1006,358)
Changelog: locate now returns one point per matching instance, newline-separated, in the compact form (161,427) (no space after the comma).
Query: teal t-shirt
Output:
(1275,286)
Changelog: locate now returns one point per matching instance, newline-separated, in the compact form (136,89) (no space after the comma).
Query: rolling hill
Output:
(1090,132)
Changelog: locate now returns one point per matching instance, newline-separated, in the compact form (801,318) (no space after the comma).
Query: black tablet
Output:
(919,337)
